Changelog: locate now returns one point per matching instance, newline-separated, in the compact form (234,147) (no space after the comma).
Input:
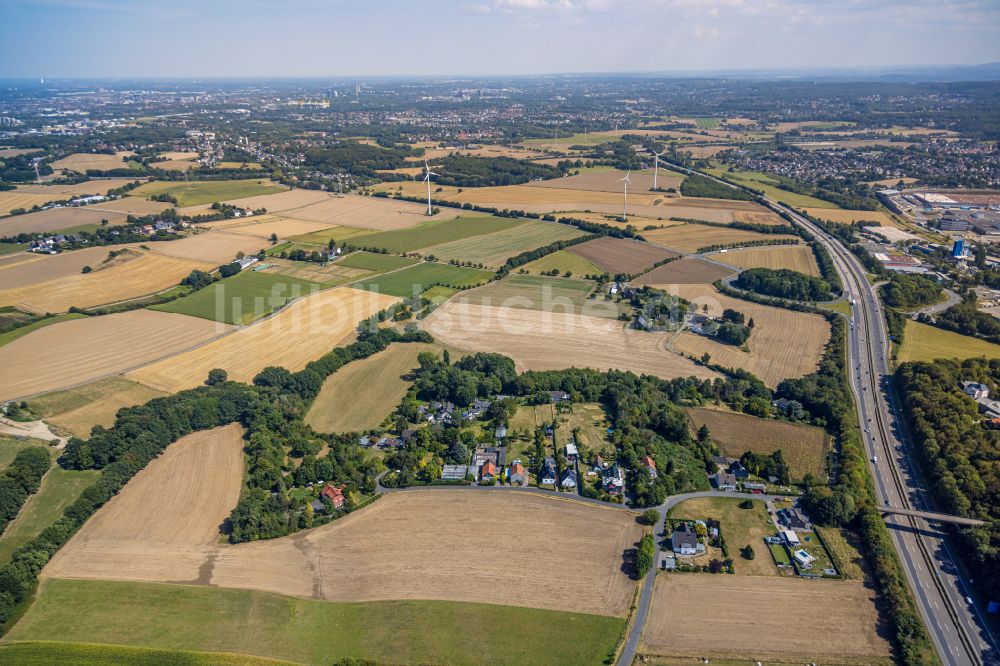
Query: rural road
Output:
(957,627)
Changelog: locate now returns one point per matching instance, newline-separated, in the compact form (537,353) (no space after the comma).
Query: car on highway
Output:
(874,459)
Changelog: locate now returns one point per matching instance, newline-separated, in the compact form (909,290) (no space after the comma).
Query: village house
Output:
(650,466)
(739,471)
(488,472)
(548,474)
(793,519)
(494,454)
(724,481)
(335,494)
(558,396)
(684,540)
(613,480)
(568,479)
(517,475)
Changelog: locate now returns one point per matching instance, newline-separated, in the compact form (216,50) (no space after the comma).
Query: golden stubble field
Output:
(425,544)
(304,330)
(794,257)
(784,344)
(539,340)
(691,237)
(134,274)
(82,350)
(764,618)
(26,196)
(81,162)
(686,270)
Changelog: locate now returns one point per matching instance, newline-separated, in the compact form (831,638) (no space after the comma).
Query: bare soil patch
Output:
(687,270)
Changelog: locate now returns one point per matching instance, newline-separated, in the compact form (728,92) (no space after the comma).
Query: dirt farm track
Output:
(424,544)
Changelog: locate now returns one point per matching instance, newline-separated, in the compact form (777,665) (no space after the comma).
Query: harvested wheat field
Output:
(26,269)
(794,257)
(304,330)
(686,270)
(374,213)
(610,181)
(764,618)
(282,200)
(803,447)
(424,544)
(130,275)
(82,162)
(692,237)
(133,205)
(784,344)
(214,247)
(851,216)
(79,409)
(617,255)
(375,382)
(527,197)
(78,351)
(166,518)
(57,219)
(555,340)
(177,161)
(27,196)
(265,225)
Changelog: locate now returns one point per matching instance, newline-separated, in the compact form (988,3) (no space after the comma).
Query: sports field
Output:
(59,488)
(686,270)
(618,255)
(739,527)
(130,275)
(835,621)
(305,631)
(793,257)
(803,447)
(923,342)
(375,382)
(241,299)
(563,262)
(539,340)
(79,409)
(412,281)
(691,237)
(301,332)
(75,352)
(193,193)
(493,249)
(435,232)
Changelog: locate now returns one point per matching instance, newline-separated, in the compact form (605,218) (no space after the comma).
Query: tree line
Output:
(784,283)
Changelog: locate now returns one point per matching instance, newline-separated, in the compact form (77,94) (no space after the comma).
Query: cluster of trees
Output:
(734,328)
(701,186)
(958,452)
(21,169)
(645,558)
(467,171)
(108,234)
(767,466)
(20,480)
(355,158)
(910,291)
(965,318)
(784,283)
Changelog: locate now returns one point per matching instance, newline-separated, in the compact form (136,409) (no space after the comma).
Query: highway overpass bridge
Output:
(931,515)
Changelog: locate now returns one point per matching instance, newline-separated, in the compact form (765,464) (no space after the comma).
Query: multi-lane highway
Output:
(955,623)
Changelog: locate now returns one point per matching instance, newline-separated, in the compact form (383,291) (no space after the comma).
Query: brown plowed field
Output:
(687,270)
(794,257)
(81,350)
(691,237)
(130,276)
(556,340)
(303,331)
(764,618)
(784,344)
(617,255)
(166,518)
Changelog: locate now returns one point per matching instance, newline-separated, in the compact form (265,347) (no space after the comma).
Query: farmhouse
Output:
(684,541)
(558,396)
(335,494)
(494,454)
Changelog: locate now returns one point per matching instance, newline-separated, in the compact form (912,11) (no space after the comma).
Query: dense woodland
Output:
(467,171)
(959,451)
(910,291)
(701,186)
(785,283)
(20,480)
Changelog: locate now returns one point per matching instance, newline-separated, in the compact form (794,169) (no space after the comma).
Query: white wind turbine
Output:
(656,166)
(427,179)
(625,205)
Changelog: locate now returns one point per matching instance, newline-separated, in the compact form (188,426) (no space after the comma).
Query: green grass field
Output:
(32,653)
(10,336)
(380,263)
(739,527)
(11,248)
(562,261)
(176,617)
(439,294)
(241,299)
(59,489)
(193,193)
(435,232)
(769,185)
(416,279)
(10,446)
(923,342)
(707,123)
(338,234)
(494,249)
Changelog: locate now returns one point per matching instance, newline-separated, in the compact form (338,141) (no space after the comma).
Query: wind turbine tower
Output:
(625,204)
(656,167)
(427,179)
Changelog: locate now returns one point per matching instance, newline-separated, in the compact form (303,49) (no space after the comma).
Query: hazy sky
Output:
(208,38)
